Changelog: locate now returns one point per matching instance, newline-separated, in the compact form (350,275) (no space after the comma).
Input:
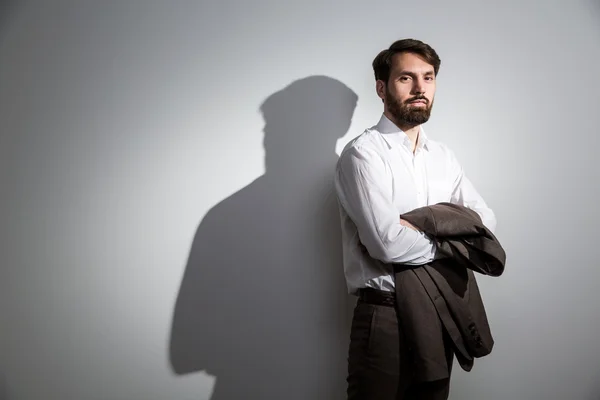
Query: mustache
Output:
(418,98)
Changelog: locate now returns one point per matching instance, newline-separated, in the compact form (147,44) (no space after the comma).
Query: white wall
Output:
(148,253)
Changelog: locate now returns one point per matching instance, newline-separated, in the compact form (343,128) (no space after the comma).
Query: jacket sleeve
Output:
(465,194)
(364,189)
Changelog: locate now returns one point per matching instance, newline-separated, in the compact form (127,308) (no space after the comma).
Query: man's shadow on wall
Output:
(7,9)
(263,304)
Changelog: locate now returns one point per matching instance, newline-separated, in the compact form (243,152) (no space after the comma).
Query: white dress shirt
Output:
(377,178)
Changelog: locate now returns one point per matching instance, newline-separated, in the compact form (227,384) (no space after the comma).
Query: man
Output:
(388,170)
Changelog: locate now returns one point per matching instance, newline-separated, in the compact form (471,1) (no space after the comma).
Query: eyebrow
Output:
(412,74)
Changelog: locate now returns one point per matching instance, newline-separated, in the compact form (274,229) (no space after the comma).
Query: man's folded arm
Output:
(364,189)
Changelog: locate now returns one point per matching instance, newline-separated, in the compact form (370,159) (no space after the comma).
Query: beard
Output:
(407,114)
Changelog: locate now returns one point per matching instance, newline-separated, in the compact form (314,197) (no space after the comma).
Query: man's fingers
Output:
(408,224)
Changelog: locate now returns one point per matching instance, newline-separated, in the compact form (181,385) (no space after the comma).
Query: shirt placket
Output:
(419,176)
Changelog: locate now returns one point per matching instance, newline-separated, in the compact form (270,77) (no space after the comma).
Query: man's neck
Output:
(412,131)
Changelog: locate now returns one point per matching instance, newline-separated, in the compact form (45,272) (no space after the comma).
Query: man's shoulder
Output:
(363,150)
(369,140)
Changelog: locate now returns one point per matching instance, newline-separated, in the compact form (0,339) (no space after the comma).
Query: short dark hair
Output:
(382,64)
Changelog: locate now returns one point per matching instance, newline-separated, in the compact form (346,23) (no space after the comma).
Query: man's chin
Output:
(416,118)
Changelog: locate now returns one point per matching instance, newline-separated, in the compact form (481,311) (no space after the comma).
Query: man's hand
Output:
(408,225)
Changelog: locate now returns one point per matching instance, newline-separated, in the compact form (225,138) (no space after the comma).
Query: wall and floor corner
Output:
(168,226)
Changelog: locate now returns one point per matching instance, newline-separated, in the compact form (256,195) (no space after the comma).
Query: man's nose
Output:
(419,86)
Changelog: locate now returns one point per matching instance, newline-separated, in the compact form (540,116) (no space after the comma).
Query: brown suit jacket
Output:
(443,294)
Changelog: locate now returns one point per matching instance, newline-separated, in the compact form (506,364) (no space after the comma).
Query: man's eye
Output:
(404,78)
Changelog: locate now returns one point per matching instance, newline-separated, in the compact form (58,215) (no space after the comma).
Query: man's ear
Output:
(380,88)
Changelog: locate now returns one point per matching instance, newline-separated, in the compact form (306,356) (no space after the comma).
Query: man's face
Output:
(409,93)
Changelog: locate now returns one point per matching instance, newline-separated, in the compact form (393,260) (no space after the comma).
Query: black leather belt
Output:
(377,297)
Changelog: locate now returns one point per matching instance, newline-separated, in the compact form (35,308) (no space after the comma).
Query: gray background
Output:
(168,229)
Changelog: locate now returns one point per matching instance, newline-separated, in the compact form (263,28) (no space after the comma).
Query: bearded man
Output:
(388,170)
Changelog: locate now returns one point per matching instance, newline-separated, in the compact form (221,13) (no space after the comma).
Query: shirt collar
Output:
(395,136)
